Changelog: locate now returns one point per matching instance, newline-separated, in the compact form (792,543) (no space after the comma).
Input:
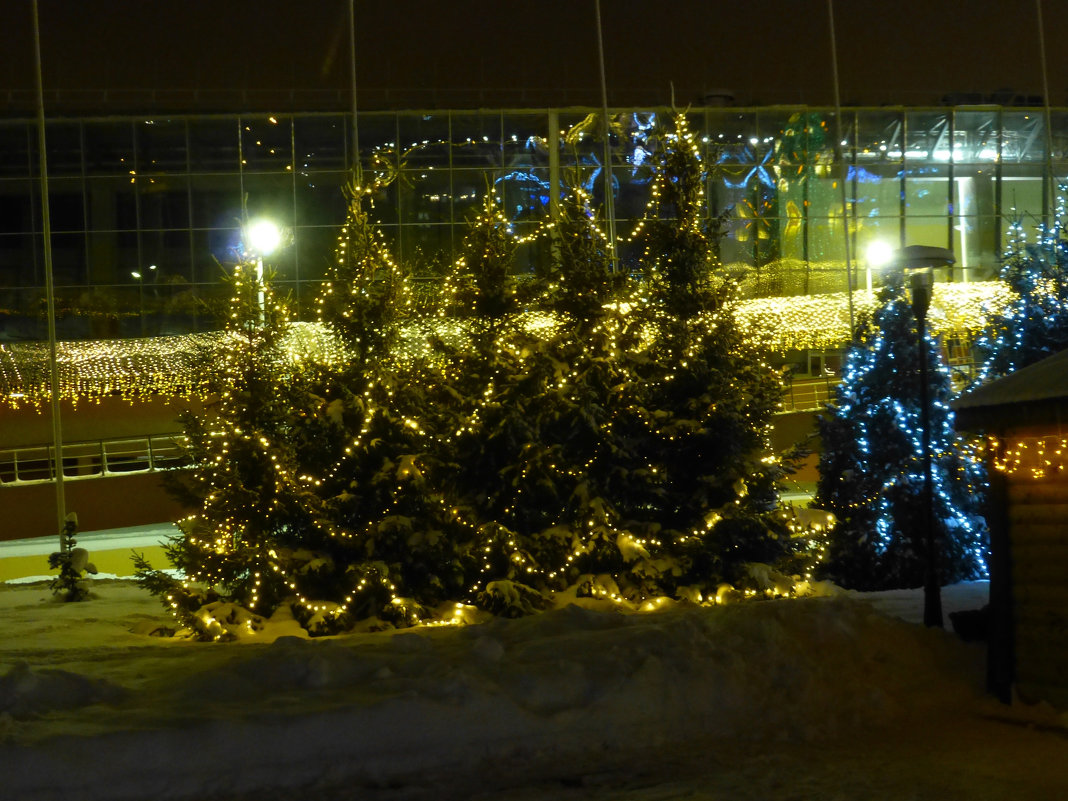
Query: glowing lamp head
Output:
(263,237)
(879,254)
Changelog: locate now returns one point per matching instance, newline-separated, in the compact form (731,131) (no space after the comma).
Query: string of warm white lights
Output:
(1030,457)
(172,366)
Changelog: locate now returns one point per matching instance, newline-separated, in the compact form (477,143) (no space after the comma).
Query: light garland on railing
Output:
(171,366)
(821,322)
(135,369)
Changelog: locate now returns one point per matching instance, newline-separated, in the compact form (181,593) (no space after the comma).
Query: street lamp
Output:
(919,262)
(140,298)
(262,238)
(878,254)
(139,276)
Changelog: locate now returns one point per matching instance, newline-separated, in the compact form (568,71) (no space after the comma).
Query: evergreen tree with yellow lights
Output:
(558,459)
(704,488)
(531,413)
(587,411)
(366,294)
(310,484)
(391,549)
(481,409)
(245,486)
(872,467)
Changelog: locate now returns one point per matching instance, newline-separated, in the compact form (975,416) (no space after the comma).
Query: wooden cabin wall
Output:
(1038,529)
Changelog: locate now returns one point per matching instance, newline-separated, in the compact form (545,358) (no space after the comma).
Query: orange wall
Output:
(29,510)
(112,418)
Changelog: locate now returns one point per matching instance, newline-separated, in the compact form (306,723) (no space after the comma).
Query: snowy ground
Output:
(831,698)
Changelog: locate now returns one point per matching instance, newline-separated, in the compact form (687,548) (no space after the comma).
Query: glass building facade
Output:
(146,212)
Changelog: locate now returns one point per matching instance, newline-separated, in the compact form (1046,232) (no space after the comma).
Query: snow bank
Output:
(125,716)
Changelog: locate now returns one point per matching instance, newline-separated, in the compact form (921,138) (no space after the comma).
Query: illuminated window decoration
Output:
(761,170)
(754,221)
(136,369)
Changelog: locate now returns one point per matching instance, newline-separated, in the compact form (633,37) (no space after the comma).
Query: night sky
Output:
(115,55)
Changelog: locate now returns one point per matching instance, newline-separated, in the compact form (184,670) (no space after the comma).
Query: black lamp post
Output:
(919,262)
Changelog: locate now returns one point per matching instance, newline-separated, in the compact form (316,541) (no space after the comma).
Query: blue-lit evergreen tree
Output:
(871,466)
(1035,322)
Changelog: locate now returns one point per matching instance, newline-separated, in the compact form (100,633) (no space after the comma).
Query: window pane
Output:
(109,148)
(926,190)
(216,200)
(1023,136)
(270,195)
(18,264)
(66,204)
(425,197)
(974,239)
(111,203)
(320,143)
(377,130)
(525,141)
(15,144)
(266,143)
(213,145)
(68,259)
(164,202)
(927,136)
(477,139)
(1022,200)
(424,139)
(321,199)
(168,252)
(18,206)
(64,142)
(161,146)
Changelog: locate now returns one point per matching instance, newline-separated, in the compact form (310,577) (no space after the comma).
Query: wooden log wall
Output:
(1038,530)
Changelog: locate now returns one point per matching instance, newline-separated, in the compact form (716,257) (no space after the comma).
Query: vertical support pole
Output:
(554,180)
(951,185)
(1051,183)
(352,66)
(50,293)
(606,170)
(844,167)
(932,588)
(932,591)
(260,300)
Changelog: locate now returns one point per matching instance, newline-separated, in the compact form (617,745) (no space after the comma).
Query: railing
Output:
(809,394)
(96,459)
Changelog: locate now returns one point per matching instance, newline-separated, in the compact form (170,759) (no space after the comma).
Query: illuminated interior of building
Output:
(146,212)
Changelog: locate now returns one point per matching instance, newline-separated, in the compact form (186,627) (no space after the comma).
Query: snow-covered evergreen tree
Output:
(388,549)
(246,488)
(703,398)
(309,479)
(872,467)
(1035,322)
(482,411)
